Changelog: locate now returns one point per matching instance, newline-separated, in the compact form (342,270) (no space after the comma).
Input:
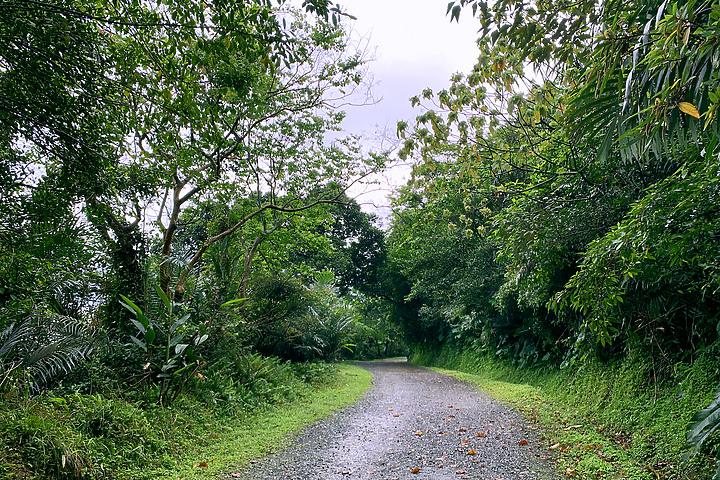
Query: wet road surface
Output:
(413,424)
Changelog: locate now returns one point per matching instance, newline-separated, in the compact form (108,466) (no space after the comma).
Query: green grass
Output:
(89,436)
(603,421)
(264,433)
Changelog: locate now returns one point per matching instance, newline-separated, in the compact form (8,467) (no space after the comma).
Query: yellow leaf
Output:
(508,83)
(689,108)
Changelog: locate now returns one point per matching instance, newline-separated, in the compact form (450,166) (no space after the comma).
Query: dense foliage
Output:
(563,204)
(564,196)
(174,220)
(175,224)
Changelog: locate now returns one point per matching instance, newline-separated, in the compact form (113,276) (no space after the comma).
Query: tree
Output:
(356,247)
(232,121)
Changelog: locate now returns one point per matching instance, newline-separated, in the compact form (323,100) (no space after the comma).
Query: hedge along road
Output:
(413,423)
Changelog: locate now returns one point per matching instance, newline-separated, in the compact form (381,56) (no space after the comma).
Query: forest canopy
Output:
(176,216)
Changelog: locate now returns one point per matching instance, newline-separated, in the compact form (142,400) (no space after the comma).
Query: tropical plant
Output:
(169,344)
(329,321)
(35,351)
(703,425)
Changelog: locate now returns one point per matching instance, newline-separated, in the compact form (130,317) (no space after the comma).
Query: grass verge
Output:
(601,421)
(265,432)
(93,436)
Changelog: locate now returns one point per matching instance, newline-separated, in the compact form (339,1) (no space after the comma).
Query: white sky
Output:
(415,47)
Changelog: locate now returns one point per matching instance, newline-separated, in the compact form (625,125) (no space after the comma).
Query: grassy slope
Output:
(266,432)
(74,435)
(602,421)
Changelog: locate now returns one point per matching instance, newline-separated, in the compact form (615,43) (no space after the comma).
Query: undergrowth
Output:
(73,435)
(602,420)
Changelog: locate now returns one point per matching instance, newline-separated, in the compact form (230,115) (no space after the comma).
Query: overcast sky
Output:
(414,47)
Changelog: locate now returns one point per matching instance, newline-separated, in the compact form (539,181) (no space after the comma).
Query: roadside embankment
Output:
(606,420)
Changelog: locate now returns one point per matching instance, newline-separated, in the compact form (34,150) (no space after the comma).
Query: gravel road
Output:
(413,424)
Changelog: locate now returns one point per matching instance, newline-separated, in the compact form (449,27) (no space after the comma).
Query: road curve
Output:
(413,424)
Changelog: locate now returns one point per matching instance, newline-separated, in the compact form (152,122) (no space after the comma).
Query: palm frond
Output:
(43,347)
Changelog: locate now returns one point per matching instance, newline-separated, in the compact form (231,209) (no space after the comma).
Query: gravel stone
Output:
(413,424)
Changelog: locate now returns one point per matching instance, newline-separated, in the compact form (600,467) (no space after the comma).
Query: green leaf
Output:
(703,424)
(139,343)
(164,297)
(139,326)
(179,323)
(175,340)
(232,302)
(127,303)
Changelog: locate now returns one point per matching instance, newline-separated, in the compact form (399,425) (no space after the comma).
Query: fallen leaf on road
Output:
(522,442)
(415,470)
(481,435)
(459,472)
(471,452)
